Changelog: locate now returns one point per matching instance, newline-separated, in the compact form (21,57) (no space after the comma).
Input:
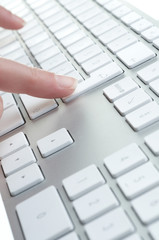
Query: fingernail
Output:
(66,82)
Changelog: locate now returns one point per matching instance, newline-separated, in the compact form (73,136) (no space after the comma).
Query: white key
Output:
(87,54)
(73,4)
(37,106)
(67,31)
(138,180)
(152,142)
(156,43)
(133,237)
(96,62)
(98,77)
(150,34)
(44,208)
(16,54)
(8,100)
(104,27)
(46,54)
(120,89)
(112,35)
(24,60)
(73,38)
(36,39)
(149,73)
(54,62)
(17,161)
(102,2)
(24,179)
(10,48)
(96,20)
(61,25)
(122,42)
(121,11)
(71,236)
(63,69)
(146,206)
(80,45)
(114,225)
(125,160)
(132,101)
(141,25)
(154,230)
(41,46)
(135,55)
(83,182)
(5,229)
(95,203)
(143,116)
(13,144)
(54,142)
(131,18)
(50,12)
(32,32)
(76,75)
(89,14)
(85,7)
(52,20)
(112,5)
(10,120)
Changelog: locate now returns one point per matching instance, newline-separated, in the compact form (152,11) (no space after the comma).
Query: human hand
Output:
(18,78)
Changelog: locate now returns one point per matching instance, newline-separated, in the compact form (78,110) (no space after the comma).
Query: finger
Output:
(1,107)
(18,78)
(9,20)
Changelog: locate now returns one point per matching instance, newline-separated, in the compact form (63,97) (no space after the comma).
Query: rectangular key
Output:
(37,106)
(135,55)
(152,141)
(24,179)
(146,206)
(132,101)
(98,77)
(95,203)
(139,180)
(111,226)
(13,144)
(149,73)
(17,161)
(54,142)
(125,160)
(82,182)
(151,34)
(71,236)
(141,25)
(143,116)
(43,216)
(10,120)
(120,89)
(5,229)
(154,230)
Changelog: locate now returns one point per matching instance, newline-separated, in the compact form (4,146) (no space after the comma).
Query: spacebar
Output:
(97,78)
(5,229)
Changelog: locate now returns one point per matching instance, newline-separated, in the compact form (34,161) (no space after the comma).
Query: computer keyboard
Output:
(84,167)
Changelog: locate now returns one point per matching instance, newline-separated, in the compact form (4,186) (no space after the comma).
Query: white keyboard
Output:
(84,167)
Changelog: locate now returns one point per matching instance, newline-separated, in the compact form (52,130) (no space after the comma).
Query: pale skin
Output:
(18,78)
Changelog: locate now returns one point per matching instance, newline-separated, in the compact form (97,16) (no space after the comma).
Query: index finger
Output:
(9,20)
(18,78)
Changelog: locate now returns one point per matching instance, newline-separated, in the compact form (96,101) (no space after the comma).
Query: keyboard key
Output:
(122,42)
(10,120)
(54,142)
(149,73)
(24,179)
(46,54)
(67,31)
(96,20)
(156,43)
(150,34)
(131,18)
(121,11)
(152,142)
(114,225)
(112,5)
(120,89)
(83,182)
(154,230)
(8,100)
(144,116)
(80,45)
(54,62)
(13,144)
(138,180)
(95,203)
(104,27)
(135,55)
(132,101)
(38,213)
(133,237)
(146,206)
(125,160)
(5,229)
(98,77)
(96,62)
(73,38)
(141,25)
(17,161)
